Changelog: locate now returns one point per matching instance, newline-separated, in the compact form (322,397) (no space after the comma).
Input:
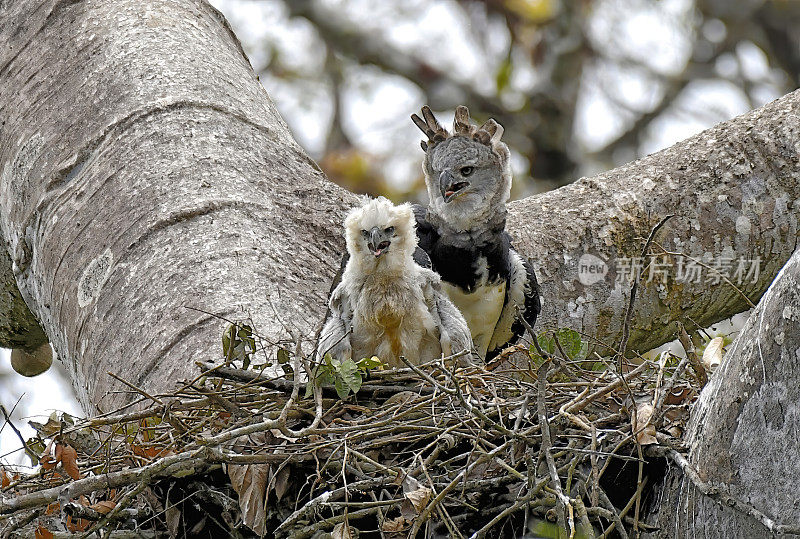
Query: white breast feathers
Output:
(481,309)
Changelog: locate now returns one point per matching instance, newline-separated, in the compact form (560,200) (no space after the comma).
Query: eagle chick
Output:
(386,304)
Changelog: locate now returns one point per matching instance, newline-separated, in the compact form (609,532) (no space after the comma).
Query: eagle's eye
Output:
(389,230)
(466,171)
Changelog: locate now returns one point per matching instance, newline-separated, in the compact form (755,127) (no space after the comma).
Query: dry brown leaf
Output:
(401,397)
(342,531)
(103,507)
(173,517)
(69,460)
(420,498)
(47,462)
(77,524)
(281,482)
(250,483)
(53,509)
(645,432)
(43,533)
(395,524)
(712,355)
(410,484)
(151,452)
(5,479)
(416,494)
(680,395)
(675,431)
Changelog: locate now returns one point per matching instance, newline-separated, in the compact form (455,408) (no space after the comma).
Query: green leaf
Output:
(238,343)
(226,340)
(546,342)
(535,357)
(35,445)
(349,372)
(288,371)
(570,341)
(503,76)
(341,388)
(245,332)
(283,356)
(368,363)
(326,376)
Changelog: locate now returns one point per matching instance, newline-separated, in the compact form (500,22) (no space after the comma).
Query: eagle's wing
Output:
(425,231)
(337,279)
(422,258)
(533,301)
(522,299)
(335,335)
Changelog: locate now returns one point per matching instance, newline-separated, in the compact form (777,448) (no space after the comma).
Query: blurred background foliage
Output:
(580,86)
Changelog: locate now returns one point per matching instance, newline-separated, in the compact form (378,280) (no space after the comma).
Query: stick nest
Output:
(527,444)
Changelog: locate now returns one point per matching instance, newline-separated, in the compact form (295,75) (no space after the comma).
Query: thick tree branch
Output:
(733,190)
(145,170)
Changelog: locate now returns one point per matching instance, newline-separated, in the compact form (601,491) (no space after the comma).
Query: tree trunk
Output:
(745,431)
(145,173)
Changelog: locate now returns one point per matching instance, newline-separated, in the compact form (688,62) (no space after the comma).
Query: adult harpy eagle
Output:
(468,177)
(385,303)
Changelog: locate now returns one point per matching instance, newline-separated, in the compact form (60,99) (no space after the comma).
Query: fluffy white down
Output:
(389,306)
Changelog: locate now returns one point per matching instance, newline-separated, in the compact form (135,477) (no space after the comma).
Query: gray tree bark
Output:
(745,432)
(733,190)
(144,171)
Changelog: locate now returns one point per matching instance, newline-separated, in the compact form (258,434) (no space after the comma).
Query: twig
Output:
(623,345)
(31,453)
(688,347)
(562,500)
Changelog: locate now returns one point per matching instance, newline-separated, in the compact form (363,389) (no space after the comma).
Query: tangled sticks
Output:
(465,452)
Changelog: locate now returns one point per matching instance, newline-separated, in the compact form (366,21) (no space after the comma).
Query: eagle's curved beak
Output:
(449,187)
(379,241)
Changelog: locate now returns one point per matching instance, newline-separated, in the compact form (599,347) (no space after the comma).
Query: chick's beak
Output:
(378,241)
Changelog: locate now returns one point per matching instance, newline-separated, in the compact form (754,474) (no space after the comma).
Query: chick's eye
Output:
(466,171)
(389,230)
(365,233)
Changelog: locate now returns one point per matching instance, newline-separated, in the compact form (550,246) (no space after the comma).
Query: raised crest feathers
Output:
(488,133)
